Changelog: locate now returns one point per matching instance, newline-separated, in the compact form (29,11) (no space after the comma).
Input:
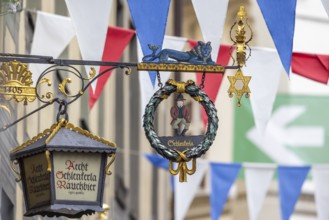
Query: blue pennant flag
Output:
(222,178)
(150,19)
(162,163)
(279,16)
(158,161)
(291,180)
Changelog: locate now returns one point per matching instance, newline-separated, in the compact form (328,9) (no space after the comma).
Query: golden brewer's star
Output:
(239,92)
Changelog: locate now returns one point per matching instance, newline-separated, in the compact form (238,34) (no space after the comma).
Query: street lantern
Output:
(63,171)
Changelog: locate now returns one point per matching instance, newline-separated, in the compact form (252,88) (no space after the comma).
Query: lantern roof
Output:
(64,136)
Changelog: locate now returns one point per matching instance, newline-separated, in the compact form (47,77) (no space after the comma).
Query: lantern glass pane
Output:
(37,180)
(76,176)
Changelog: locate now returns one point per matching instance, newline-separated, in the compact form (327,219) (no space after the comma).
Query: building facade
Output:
(136,190)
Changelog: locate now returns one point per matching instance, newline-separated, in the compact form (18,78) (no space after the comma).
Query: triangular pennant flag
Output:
(311,66)
(90,19)
(161,163)
(29,23)
(265,68)
(150,19)
(321,179)
(146,87)
(222,178)
(116,41)
(326,5)
(185,192)
(211,16)
(158,161)
(12,22)
(213,81)
(279,16)
(291,180)
(258,178)
(52,35)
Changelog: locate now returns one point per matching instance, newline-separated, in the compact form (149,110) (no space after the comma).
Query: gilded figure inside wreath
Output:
(180,116)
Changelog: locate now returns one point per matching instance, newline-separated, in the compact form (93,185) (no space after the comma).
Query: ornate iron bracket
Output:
(16,79)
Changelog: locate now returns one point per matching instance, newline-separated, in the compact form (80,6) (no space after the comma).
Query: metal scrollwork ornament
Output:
(174,155)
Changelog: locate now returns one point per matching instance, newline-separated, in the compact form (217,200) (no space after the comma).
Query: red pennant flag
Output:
(116,41)
(213,81)
(312,66)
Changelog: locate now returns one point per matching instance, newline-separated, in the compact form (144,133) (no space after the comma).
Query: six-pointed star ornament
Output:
(239,86)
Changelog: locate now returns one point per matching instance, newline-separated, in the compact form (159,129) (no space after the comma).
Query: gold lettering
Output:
(173,143)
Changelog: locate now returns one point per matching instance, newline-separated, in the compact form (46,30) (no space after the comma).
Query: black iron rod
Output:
(28,115)
(6,57)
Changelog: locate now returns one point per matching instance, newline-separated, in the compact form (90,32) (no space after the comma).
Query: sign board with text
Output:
(76,176)
(37,180)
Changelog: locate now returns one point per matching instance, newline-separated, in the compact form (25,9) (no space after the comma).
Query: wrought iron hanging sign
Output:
(182,148)
(62,169)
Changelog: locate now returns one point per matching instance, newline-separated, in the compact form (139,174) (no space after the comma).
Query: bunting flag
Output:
(265,68)
(185,192)
(258,178)
(12,22)
(212,27)
(326,5)
(117,40)
(222,178)
(52,35)
(157,161)
(279,16)
(29,24)
(90,19)
(161,163)
(212,81)
(311,66)
(291,180)
(321,179)
(150,20)
(146,87)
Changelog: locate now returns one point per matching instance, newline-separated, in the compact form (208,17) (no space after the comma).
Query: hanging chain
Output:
(62,110)
(159,80)
(202,80)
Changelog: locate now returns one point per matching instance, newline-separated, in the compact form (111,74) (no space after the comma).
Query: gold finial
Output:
(242,13)
(102,215)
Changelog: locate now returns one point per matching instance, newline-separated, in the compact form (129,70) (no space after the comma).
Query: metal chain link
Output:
(202,80)
(159,80)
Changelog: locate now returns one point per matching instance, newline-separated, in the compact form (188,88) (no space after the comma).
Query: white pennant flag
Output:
(211,15)
(147,90)
(265,68)
(52,35)
(90,19)
(321,179)
(185,192)
(326,5)
(258,178)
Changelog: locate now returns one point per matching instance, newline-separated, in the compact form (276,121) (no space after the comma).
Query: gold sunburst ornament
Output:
(239,86)
(15,82)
